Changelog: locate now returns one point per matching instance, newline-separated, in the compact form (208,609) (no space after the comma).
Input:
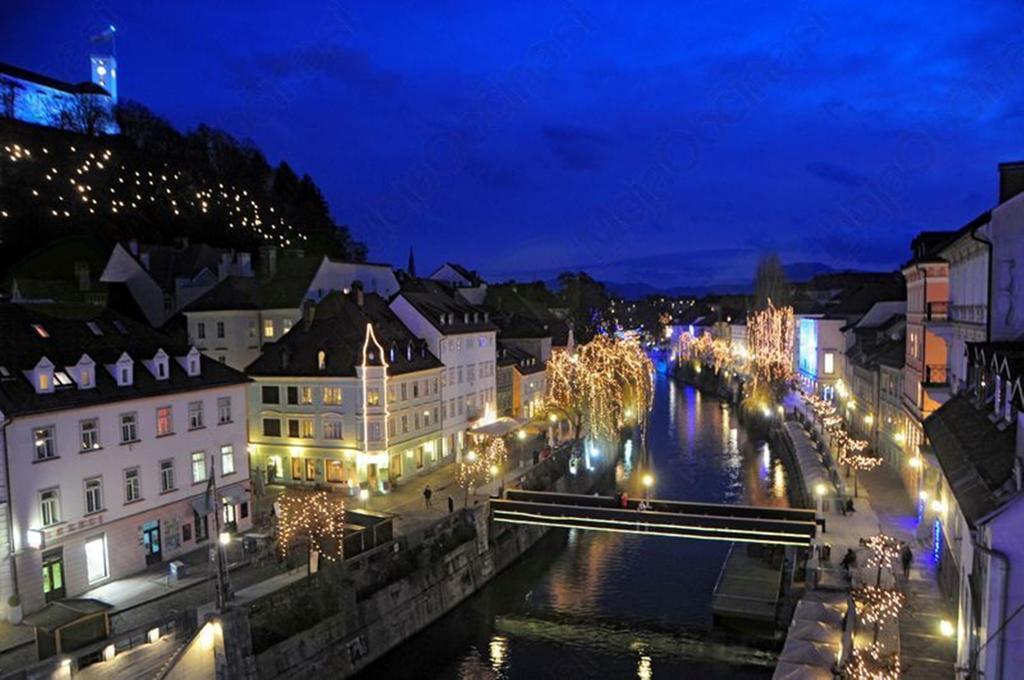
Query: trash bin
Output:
(177,569)
(826,553)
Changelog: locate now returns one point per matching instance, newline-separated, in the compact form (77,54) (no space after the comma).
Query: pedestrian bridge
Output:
(675,519)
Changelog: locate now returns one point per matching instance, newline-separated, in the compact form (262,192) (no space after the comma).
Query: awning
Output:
(235,495)
(56,615)
(202,505)
(500,427)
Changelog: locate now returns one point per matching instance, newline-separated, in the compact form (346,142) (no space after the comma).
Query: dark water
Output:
(603,605)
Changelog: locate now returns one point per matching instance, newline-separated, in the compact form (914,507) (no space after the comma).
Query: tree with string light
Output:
(482,463)
(314,519)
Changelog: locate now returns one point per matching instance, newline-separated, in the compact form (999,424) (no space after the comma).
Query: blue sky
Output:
(661,142)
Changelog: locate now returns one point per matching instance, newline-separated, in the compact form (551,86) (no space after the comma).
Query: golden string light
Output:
(97,182)
(479,464)
(606,384)
(883,550)
(770,332)
(872,663)
(878,605)
(316,518)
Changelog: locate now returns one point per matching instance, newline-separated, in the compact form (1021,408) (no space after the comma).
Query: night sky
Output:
(645,141)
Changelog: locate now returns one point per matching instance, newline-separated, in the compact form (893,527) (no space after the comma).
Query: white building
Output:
(470,285)
(234,319)
(347,398)
(462,336)
(111,435)
(34,98)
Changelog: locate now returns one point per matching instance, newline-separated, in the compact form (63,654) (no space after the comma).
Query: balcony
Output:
(975,314)
(937,311)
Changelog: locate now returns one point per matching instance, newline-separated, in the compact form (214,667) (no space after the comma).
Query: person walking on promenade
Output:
(451,505)
(427,493)
(906,559)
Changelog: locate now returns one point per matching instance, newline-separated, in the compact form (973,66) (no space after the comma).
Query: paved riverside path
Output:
(883,505)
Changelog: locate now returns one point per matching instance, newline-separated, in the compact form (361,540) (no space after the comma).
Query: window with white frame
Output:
(90,434)
(129,428)
(49,507)
(167,475)
(199,467)
(306,395)
(830,363)
(268,328)
(164,421)
(220,329)
(96,558)
(132,485)
(195,415)
(45,442)
(227,459)
(223,410)
(332,396)
(93,495)
(201,330)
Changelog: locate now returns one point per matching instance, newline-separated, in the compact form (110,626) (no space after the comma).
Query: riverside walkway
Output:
(882,506)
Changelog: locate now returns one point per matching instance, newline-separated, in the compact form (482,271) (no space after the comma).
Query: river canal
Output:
(602,605)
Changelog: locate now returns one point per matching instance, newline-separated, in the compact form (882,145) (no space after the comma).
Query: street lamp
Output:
(224,538)
(819,491)
(946,628)
(648,481)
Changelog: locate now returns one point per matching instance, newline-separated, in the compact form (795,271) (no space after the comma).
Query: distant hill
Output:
(796,272)
(157,185)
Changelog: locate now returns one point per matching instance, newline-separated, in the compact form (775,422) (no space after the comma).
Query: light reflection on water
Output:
(607,605)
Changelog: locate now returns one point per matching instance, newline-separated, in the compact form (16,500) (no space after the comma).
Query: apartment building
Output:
(118,444)
(348,397)
(463,337)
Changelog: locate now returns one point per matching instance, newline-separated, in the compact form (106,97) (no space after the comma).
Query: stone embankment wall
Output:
(364,630)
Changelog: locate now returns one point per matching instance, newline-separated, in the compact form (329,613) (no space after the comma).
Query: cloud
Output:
(577,148)
(835,173)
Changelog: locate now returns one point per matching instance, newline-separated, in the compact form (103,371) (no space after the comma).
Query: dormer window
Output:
(391,353)
(42,376)
(159,365)
(321,360)
(441,319)
(465,317)
(40,330)
(43,382)
(408,352)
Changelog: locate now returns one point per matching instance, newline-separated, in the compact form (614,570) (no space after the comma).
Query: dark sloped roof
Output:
(86,87)
(975,456)
(59,614)
(433,299)
(471,276)
(21,348)
(339,329)
(167,263)
(523,361)
(285,290)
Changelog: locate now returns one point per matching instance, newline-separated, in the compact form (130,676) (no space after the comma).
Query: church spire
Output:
(412,264)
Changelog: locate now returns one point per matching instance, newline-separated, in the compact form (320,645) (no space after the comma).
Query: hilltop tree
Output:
(770,283)
(586,300)
(86,113)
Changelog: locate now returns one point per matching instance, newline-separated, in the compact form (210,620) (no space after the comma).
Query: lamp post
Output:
(819,491)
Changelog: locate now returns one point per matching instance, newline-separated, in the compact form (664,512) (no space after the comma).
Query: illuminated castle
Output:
(83,107)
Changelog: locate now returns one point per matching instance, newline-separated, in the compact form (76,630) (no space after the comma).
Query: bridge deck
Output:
(707,521)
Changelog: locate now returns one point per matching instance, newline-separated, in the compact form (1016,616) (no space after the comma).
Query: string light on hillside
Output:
(172,193)
(878,605)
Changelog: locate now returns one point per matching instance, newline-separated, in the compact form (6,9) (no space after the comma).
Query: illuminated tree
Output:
(770,283)
(606,384)
(482,463)
(316,519)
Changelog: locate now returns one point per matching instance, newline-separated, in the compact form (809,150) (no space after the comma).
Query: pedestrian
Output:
(849,506)
(849,560)
(427,493)
(906,558)
(451,505)
(536,456)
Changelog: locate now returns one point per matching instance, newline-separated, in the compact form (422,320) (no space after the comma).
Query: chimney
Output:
(1011,180)
(357,293)
(308,312)
(144,258)
(224,266)
(268,261)
(82,276)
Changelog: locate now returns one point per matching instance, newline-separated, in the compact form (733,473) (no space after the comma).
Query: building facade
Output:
(348,398)
(119,446)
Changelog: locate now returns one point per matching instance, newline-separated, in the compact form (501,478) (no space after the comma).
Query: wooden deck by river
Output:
(747,591)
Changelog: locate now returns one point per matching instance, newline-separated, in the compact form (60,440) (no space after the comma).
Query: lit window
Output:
(830,362)
(286,325)
(132,490)
(372,397)
(332,396)
(164,424)
(40,330)
(268,328)
(45,444)
(333,429)
(306,429)
(96,558)
(227,459)
(321,360)
(199,466)
(84,378)
(44,382)
(305,395)
(93,495)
